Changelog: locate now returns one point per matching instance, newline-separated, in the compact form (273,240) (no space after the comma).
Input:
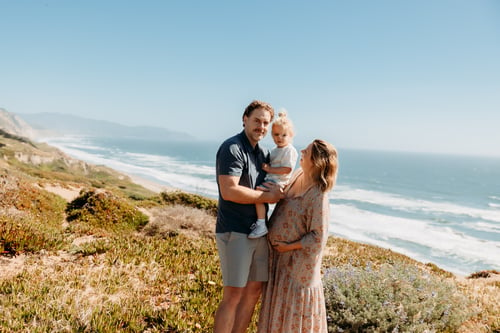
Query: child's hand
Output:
(265,167)
(264,186)
(261,188)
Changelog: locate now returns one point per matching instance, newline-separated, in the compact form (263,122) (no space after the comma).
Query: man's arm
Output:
(232,191)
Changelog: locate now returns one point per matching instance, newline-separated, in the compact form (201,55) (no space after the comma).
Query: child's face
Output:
(281,136)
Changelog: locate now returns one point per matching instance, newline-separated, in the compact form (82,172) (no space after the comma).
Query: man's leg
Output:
(226,313)
(247,259)
(246,306)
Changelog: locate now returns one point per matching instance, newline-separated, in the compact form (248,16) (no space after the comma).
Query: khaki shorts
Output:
(242,259)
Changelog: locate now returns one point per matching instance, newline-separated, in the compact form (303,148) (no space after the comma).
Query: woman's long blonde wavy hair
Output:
(324,158)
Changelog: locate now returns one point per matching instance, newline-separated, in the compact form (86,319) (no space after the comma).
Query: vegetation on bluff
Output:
(97,209)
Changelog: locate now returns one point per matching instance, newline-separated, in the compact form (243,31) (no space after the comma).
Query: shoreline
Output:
(149,184)
(69,193)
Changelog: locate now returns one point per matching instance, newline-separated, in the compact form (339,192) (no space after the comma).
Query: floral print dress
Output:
(293,299)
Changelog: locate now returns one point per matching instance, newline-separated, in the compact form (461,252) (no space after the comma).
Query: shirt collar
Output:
(247,144)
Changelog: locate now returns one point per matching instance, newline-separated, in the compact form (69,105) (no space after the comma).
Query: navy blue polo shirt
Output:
(236,157)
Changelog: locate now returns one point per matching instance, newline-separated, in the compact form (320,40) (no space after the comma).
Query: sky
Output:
(414,75)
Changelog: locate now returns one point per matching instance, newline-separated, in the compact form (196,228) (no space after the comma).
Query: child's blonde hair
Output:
(284,121)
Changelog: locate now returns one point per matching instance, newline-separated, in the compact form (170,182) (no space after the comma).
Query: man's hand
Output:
(275,191)
(232,191)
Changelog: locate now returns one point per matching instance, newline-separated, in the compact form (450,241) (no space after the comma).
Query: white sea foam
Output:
(74,142)
(488,227)
(148,158)
(185,182)
(398,202)
(81,155)
(165,161)
(378,229)
(162,169)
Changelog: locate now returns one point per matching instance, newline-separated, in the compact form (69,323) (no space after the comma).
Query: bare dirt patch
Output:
(68,193)
(11,266)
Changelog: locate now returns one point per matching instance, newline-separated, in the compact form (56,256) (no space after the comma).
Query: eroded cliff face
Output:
(17,142)
(13,124)
(20,153)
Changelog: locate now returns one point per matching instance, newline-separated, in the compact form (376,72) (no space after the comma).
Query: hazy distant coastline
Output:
(56,124)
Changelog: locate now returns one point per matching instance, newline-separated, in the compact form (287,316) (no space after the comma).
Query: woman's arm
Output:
(317,222)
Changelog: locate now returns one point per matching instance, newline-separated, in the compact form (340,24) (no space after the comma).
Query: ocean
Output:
(441,209)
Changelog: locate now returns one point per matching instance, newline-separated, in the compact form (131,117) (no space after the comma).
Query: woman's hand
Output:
(285,247)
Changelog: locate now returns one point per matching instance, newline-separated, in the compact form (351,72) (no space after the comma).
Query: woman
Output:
(293,300)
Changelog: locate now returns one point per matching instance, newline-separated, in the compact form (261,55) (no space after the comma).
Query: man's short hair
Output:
(258,105)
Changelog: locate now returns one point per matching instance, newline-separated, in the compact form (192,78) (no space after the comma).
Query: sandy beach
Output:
(150,185)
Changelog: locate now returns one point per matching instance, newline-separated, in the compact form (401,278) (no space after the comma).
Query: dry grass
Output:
(484,293)
(171,220)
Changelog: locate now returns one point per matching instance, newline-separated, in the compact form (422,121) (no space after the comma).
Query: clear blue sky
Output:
(419,75)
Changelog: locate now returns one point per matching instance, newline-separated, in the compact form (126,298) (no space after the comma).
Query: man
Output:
(244,261)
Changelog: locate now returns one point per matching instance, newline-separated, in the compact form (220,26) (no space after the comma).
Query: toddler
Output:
(279,170)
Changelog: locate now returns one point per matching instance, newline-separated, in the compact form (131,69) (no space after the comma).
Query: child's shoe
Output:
(259,229)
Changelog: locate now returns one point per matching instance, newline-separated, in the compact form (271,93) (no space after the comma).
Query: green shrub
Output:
(483,274)
(438,271)
(30,217)
(20,234)
(92,248)
(104,210)
(393,298)
(190,200)
(25,197)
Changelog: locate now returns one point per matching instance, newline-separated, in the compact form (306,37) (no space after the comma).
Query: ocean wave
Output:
(488,227)
(391,232)
(395,201)
(82,155)
(186,183)
(168,163)
(74,143)
(161,169)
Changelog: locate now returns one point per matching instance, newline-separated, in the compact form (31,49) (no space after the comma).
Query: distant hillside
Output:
(55,124)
